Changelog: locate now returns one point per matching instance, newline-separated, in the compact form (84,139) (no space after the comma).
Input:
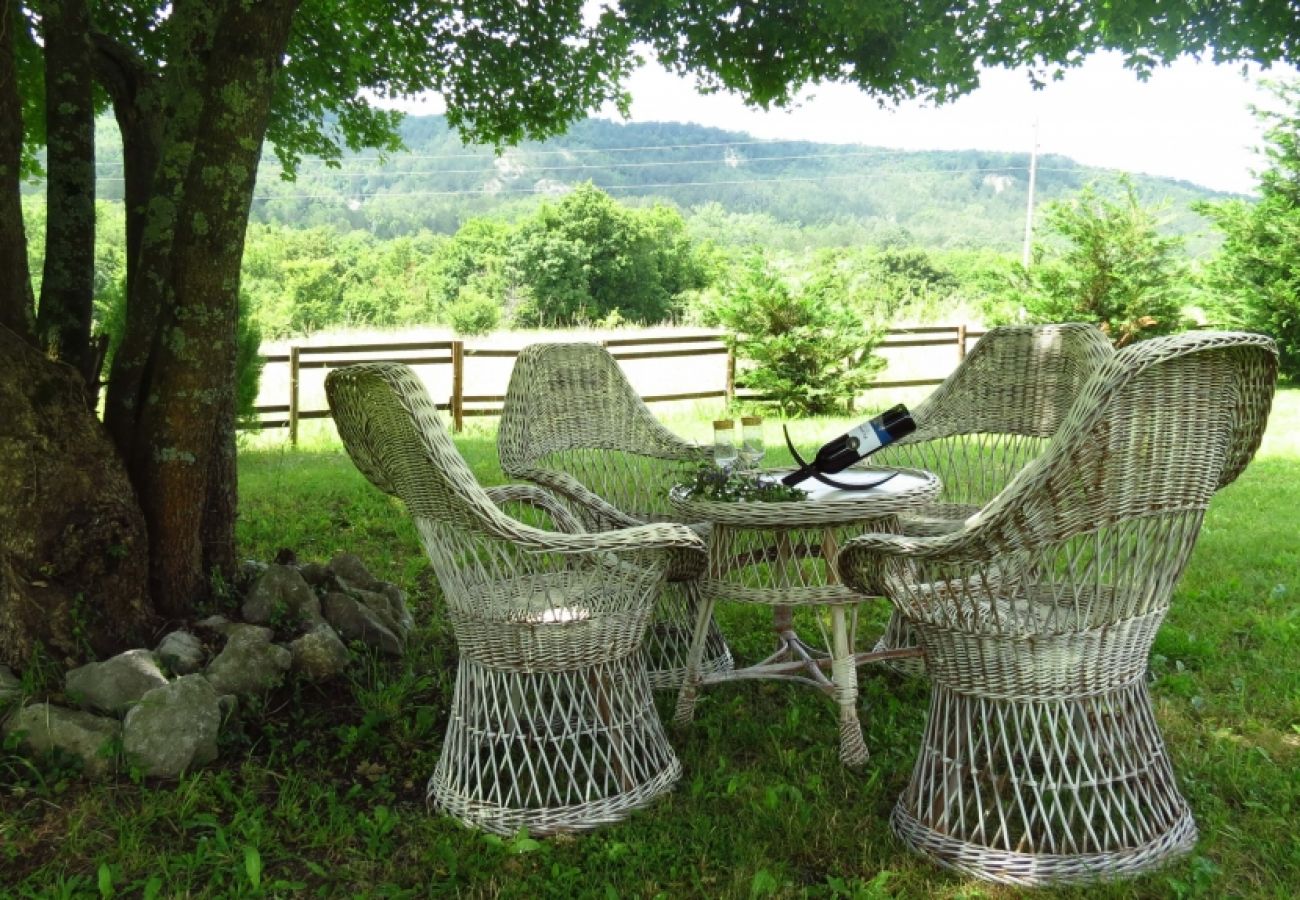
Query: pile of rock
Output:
(165,707)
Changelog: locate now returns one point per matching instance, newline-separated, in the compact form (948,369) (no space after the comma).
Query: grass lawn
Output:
(322,792)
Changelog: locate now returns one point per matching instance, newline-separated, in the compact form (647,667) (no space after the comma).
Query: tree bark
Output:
(183,451)
(16,283)
(68,284)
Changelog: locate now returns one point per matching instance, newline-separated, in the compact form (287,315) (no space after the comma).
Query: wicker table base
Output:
(782,555)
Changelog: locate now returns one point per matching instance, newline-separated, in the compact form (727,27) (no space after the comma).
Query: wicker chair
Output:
(552,725)
(997,411)
(1041,760)
(573,424)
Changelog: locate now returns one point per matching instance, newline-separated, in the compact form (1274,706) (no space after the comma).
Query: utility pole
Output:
(1029,209)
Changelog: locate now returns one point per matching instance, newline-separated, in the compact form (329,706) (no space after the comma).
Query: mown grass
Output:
(321,792)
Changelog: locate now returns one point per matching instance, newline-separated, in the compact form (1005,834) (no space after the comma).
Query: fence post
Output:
(293,395)
(961,342)
(731,376)
(457,385)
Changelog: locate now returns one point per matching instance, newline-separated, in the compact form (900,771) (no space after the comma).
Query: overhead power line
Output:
(648,186)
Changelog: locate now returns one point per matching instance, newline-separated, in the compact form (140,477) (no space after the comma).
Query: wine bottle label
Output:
(867,438)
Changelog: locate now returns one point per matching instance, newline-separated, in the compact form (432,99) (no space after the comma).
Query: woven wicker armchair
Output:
(997,411)
(1041,760)
(552,725)
(573,424)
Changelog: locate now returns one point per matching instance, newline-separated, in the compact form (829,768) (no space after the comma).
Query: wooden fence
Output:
(461,405)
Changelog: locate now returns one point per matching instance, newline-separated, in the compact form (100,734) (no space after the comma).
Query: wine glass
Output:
(724,443)
(751,442)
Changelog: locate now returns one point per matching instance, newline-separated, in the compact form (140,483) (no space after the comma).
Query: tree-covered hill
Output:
(786,192)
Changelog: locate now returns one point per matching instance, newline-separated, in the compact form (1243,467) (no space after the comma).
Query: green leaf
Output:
(253,866)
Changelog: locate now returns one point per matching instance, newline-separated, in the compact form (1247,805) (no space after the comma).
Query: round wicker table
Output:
(782,554)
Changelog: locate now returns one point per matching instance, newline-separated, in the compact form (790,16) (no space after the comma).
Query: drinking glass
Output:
(751,442)
(724,443)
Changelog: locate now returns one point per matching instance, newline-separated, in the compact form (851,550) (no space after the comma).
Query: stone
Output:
(281,590)
(319,654)
(181,652)
(397,604)
(379,605)
(173,729)
(229,706)
(113,685)
(48,727)
(348,566)
(11,688)
(217,623)
(356,622)
(249,663)
(238,631)
(314,573)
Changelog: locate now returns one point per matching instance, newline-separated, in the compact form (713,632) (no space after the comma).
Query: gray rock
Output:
(397,605)
(314,573)
(319,654)
(219,624)
(281,588)
(379,605)
(229,705)
(349,567)
(10,687)
(251,569)
(173,728)
(356,622)
(249,663)
(181,652)
(113,685)
(80,733)
(257,634)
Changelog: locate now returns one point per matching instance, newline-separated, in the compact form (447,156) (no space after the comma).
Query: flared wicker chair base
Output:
(552,751)
(1031,870)
(1088,779)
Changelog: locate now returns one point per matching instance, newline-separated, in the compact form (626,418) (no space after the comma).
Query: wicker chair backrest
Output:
(1019,379)
(570,409)
(998,410)
(393,433)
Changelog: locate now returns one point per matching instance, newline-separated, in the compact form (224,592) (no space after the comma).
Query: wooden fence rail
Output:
(461,405)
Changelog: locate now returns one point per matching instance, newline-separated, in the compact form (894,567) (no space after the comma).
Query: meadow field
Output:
(320,793)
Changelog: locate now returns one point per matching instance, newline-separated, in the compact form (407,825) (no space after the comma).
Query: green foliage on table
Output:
(808,346)
(1257,271)
(726,484)
(1106,261)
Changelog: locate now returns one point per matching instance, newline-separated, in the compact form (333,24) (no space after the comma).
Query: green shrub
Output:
(810,349)
(473,312)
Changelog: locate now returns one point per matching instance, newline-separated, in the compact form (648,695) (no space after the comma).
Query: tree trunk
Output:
(181,437)
(16,282)
(73,558)
(68,285)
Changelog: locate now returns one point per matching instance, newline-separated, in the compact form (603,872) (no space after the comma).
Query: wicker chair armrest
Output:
(540,498)
(575,491)
(675,541)
(862,561)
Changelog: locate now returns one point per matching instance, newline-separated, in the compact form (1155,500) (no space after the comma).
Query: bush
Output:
(1110,266)
(810,351)
(474,312)
(1257,271)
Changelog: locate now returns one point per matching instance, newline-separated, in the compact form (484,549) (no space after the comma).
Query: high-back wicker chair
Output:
(573,424)
(552,724)
(1041,760)
(995,413)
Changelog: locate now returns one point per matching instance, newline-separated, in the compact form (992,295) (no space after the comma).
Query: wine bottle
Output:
(859,442)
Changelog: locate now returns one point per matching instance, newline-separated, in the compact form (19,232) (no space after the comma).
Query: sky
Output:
(1189,121)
